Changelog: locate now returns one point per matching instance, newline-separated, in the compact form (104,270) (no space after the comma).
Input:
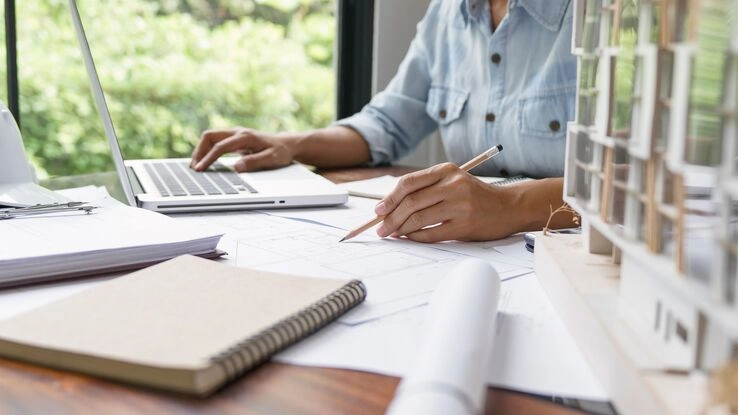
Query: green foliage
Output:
(170,69)
(622,99)
(706,92)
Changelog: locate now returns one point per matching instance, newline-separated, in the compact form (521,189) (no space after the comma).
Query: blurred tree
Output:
(170,69)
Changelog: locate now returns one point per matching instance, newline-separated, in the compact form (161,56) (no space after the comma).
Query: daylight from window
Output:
(170,69)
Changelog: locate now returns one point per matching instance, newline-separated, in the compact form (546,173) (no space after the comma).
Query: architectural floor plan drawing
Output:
(399,274)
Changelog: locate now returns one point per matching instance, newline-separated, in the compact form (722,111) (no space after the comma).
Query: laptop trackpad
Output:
(288,173)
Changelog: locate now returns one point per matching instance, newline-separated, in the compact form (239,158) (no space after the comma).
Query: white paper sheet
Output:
(17,300)
(533,350)
(399,274)
(358,210)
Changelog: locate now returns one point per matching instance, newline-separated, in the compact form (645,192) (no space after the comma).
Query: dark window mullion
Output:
(12,60)
(354,63)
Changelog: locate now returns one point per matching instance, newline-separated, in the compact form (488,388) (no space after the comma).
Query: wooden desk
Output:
(274,388)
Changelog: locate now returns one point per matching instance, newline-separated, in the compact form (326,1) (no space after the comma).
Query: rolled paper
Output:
(449,376)
(14,165)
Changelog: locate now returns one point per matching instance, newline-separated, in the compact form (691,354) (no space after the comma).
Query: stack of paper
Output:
(113,237)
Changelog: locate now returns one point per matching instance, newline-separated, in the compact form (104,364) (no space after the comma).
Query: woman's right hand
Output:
(259,150)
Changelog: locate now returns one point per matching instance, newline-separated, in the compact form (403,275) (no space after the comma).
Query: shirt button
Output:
(504,173)
(442,114)
(554,126)
(490,117)
(496,58)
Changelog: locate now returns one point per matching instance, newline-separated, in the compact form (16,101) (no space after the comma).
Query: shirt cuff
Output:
(380,143)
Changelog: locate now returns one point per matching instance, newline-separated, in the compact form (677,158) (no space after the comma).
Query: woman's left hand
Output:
(460,206)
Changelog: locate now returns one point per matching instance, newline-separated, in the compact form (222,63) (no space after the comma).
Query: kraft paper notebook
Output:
(187,325)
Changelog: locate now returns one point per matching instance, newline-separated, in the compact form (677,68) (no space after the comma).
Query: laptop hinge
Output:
(135,183)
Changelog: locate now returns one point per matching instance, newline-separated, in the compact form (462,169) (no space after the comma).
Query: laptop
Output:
(169,185)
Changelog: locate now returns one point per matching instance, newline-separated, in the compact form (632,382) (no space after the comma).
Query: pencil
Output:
(466,167)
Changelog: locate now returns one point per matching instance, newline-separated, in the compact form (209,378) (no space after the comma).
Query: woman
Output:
(483,72)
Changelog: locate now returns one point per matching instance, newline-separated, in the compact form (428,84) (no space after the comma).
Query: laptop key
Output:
(204,179)
(186,177)
(206,184)
(222,184)
(169,180)
(159,185)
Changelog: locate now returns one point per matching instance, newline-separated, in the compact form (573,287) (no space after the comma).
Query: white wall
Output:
(395,22)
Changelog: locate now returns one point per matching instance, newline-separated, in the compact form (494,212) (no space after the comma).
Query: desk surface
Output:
(273,388)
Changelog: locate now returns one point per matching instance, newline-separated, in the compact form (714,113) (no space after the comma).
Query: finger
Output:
(265,159)
(207,140)
(413,182)
(443,232)
(410,205)
(424,218)
(227,145)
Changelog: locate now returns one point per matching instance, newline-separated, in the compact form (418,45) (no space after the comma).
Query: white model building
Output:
(652,168)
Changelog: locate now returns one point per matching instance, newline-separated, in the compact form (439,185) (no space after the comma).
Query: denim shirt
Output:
(514,86)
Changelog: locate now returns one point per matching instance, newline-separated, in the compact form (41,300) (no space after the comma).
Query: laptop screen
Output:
(101,104)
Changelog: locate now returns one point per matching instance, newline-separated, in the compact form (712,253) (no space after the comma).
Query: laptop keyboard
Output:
(175,178)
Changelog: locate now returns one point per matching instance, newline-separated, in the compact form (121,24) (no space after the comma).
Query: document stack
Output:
(105,236)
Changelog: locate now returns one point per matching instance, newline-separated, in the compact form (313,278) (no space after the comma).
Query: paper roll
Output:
(449,375)
(14,165)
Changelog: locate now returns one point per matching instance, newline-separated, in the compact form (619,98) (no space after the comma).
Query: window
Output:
(730,110)
(706,93)
(663,103)
(8,52)
(637,97)
(587,91)
(591,36)
(730,251)
(173,68)
(584,153)
(620,182)
(624,35)
(587,106)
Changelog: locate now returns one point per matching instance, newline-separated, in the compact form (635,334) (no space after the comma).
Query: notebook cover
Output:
(186,325)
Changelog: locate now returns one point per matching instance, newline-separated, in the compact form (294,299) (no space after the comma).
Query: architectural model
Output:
(652,168)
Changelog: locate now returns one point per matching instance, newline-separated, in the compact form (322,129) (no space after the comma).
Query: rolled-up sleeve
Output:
(395,121)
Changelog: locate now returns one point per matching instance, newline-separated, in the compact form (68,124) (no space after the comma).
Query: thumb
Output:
(265,159)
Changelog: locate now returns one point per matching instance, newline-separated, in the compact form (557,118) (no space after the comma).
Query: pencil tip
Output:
(499,147)
(342,239)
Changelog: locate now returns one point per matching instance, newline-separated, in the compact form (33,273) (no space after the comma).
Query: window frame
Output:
(11,61)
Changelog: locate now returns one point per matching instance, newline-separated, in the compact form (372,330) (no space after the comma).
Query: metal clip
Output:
(43,209)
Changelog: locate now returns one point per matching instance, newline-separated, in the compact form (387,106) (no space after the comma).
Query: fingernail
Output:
(380,208)
(382,231)
(240,165)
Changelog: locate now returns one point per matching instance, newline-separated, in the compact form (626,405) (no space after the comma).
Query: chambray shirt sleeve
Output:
(395,121)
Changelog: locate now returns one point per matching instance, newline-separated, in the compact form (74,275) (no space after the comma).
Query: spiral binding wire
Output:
(254,350)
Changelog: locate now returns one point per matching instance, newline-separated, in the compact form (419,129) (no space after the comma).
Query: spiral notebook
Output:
(188,325)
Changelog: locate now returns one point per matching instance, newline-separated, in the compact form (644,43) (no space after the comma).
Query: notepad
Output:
(188,325)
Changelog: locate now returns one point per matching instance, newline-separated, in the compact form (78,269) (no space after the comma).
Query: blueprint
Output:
(399,274)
